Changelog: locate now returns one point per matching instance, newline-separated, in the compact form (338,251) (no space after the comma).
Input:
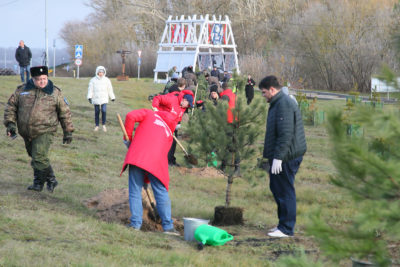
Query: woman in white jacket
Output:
(99,90)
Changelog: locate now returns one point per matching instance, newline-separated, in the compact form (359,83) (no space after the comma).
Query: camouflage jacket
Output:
(37,111)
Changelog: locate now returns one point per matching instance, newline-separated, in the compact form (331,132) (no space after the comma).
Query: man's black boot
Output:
(51,180)
(38,181)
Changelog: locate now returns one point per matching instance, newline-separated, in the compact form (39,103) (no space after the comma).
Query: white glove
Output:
(276,166)
(178,126)
(155,109)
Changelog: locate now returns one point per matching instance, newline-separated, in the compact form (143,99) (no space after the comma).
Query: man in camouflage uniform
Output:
(36,108)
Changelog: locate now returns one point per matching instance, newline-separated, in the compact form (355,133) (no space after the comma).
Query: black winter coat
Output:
(23,56)
(284,138)
(249,89)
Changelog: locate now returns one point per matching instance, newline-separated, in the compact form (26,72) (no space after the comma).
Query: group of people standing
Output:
(38,106)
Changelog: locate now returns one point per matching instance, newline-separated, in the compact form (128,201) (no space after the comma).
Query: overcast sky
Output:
(25,20)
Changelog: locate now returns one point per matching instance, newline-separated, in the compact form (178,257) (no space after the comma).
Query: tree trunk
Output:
(228,190)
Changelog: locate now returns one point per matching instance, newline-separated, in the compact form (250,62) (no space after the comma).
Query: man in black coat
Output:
(284,147)
(215,72)
(249,89)
(23,55)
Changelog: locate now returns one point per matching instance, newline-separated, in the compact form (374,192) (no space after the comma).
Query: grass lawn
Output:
(42,229)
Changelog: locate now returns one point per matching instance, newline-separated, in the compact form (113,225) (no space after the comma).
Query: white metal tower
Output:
(194,41)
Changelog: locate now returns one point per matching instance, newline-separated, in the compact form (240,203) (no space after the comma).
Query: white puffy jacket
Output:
(100,88)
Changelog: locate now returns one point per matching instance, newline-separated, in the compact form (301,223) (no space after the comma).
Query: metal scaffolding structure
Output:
(203,42)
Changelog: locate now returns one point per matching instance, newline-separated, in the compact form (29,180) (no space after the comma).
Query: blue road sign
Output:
(78,51)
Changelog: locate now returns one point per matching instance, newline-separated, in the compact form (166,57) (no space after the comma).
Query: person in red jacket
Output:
(227,94)
(147,161)
(177,103)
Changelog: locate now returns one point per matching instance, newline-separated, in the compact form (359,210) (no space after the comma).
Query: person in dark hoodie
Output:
(37,108)
(23,55)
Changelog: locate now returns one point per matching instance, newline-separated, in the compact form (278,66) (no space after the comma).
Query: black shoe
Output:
(37,181)
(36,187)
(172,232)
(51,180)
(51,184)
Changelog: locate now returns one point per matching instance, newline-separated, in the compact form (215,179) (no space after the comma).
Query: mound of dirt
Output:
(201,172)
(112,205)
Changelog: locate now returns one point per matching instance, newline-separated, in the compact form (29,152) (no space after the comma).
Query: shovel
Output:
(189,157)
(146,188)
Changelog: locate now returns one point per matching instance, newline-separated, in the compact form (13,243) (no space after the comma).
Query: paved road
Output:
(335,96)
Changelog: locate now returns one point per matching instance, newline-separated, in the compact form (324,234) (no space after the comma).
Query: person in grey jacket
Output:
(23,55)
(284,147)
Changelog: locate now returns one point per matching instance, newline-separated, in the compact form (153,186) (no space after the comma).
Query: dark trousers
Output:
(171,152)
(97,108)
(282,187)
(38,149)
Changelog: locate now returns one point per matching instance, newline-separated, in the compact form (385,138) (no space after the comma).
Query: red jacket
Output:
(231,103)
(171,102)
(151,142)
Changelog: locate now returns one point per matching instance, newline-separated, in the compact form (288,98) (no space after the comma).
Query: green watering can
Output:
(209,235)
(212,160)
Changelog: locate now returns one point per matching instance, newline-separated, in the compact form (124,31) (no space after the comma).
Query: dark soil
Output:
(113,206)
(228,216)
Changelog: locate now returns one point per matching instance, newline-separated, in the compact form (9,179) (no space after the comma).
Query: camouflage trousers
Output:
(38,150)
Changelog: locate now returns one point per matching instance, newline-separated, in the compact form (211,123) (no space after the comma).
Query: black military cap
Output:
(40,70)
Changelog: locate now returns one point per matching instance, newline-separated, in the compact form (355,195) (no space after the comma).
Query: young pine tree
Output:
(232,143)
(368,168)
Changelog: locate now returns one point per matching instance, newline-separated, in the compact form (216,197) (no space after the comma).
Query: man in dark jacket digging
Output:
(284,147)
(37,108)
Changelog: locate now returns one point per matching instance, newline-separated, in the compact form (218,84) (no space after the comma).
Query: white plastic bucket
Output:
(190,225)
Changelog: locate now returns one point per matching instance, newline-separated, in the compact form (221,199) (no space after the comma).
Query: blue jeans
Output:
(282,187)
(97,114)
(136,181)
(22,70)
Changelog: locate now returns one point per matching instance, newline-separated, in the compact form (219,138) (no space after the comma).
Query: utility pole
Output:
(54,57)
(45,29)
(139,62)
(5,57)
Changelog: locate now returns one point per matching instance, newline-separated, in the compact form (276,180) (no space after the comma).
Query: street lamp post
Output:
(54,57)
(139,62)
(45,29)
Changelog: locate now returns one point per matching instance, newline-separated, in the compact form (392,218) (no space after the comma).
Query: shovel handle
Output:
(195,94)
(122,127)
(179,143)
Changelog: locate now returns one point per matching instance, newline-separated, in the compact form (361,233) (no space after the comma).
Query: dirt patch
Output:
(113,206)
(201,172)
(228,216)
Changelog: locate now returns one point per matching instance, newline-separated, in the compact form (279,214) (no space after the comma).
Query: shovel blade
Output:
(191,159)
